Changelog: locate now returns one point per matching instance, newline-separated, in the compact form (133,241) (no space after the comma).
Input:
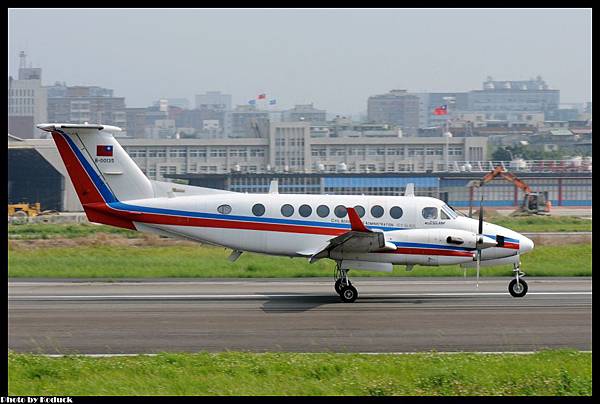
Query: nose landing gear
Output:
(343,286)
(517,287)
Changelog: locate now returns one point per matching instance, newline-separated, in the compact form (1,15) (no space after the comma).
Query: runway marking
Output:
(108,355)
(264,296)
(254,282)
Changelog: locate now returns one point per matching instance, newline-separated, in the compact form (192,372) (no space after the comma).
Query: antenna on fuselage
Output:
(274,187)
(410,189)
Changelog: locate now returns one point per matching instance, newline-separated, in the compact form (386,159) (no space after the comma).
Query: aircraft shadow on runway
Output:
(302,303)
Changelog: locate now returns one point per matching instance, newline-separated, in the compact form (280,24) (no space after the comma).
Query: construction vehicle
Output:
(534,203)
(24,209)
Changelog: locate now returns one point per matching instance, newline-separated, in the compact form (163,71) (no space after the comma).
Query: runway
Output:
(299,315)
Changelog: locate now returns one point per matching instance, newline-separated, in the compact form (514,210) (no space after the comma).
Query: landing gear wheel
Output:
(338,286)
(348,293)
(517,288)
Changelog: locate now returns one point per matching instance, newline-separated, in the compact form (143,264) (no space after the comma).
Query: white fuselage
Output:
(237,221)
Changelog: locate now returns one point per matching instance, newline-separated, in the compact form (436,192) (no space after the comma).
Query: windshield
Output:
(450,211)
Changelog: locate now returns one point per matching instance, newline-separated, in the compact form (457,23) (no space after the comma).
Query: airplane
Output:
(356,231)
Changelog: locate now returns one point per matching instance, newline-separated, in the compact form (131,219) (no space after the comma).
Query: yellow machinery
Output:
(24,209)
(534,203)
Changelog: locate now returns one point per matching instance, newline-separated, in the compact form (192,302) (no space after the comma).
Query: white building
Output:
(27,102)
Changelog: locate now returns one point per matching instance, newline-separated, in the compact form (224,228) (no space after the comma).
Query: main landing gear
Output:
(343,286)
(517,287)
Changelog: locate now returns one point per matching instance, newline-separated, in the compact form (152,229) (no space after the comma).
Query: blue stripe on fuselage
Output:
(423,245)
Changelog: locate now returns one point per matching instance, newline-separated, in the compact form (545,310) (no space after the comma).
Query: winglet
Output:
(355,222)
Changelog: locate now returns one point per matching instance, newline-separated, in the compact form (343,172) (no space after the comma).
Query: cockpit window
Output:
(456,212)
(448,213)
(430,213)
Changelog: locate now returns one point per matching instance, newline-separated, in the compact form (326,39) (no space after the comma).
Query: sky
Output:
(333,58)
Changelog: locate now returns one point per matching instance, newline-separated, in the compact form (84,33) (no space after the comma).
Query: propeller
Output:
(479,243)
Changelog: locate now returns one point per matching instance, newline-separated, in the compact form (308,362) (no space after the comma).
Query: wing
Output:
(359,239)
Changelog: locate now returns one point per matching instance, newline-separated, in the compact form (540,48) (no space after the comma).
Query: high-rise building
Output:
(27,102)
(396,107)
(508,96)
(80,104)
(213,100)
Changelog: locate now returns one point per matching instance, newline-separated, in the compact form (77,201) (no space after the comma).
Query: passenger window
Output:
(323,211)
(224,209)
(360,210)
(396,212)
(377,211)
(340,211)
(305,210)
(443,215)
(258,209)
(287,210)
(430,213)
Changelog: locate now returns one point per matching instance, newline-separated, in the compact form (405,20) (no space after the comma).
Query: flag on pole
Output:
(262,96)
(442,110)
(252,102)
(272,102)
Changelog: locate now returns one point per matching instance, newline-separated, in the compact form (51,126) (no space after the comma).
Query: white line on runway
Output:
(264,296)
(311,353)
(404,281)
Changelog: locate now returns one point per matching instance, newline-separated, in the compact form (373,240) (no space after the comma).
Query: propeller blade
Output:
(479,236)
(478,263)
(481,214)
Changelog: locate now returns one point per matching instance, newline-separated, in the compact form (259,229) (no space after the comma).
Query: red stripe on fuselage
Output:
(157,218)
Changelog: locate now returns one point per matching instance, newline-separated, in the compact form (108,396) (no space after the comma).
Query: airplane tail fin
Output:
(100,169)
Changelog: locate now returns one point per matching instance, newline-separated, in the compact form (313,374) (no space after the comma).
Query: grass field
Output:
(191,261)
(534,224)
(519,224)
(544,373)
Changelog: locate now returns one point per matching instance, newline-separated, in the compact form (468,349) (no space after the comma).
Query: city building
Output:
(305,113)
(205,122)
(247,121)
(428,102)
(515,96)
(396,107)
(27,101)
(213,100)
(136,122)
(80,104)
(182,103)
(243,165)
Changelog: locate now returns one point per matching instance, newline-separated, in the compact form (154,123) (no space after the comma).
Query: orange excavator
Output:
(534,203)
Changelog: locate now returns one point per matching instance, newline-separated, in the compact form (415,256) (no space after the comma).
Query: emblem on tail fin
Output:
(104,150)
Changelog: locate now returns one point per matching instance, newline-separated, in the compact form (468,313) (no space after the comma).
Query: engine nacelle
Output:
(444,237)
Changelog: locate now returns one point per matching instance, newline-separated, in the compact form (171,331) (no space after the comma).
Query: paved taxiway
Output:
(304,315)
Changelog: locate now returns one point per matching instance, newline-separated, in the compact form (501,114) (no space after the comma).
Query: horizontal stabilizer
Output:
(70,127)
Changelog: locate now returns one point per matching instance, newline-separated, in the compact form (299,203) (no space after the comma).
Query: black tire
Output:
(348,294)
(338,286)
(517,290)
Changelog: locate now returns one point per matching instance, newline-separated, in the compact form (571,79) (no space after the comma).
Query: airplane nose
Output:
(525,245)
